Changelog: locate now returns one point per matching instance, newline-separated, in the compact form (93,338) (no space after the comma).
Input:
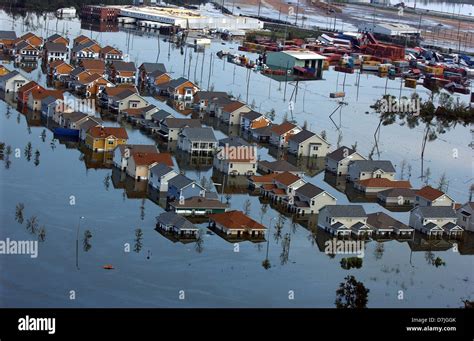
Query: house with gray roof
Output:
(308,144)
(252,120)
(173,223)
(435,221)
(171,127)
(84,126)
(309,199)
(202,99)
(7,38)
(337,162)
(54,51)
(179,89)
(197,206)
(397,197)
(385,226)
(127,99)
(12,81)
(344,220)
(198,141)
(369,169)
(233,141)
(160,175)
(149,73)
(160,115)
(278,166)
(182,187)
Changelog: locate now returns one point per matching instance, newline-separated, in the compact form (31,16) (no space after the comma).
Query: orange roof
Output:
(381,182)
(93,64)
(39,94)
(103,132)
(236,220)
(259,123)
(56,63)
(233,106)
(268,187)
(29,86)
(109,49)
(283,128)
(278,191)
(263,178)
(91,78)
(287,178)
(142,159)
(114,91)
(81,39)
(429,193)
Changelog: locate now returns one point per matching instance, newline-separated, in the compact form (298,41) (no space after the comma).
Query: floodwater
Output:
(214,273)
(454,7)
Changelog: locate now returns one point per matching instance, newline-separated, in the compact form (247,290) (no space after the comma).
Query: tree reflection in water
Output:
(137,247)
(86,242)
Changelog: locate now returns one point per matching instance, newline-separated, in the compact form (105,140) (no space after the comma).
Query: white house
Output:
(308,144)
(465,216)
(198,141)
(160,175)
(281,133)
(344,220)
(236,160)
(429,196)
(12,81)
(359,170)
(230,112)
(309,199)
(435,221)
(337,161)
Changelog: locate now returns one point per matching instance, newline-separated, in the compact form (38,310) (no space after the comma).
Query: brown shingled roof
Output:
(282,128)
(429,193)
(382,182)
(287,178)
(236,220)
(103,132)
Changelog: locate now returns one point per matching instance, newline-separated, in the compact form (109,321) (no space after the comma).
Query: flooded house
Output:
(236,160)
(24,92)
(384,226)
(230,112)
(181,187)
(139,164)
(27,48)
(198,141)
(283,187)
(36,96)
(303,63)
(145,113)
(123,153)
(257,181)
(12,81)
(198,206)
(235,224)
(344,220)
(252,120)
(127,99)
(105,139)
(309,199)
(171,127)
(84,126)
(7,38)
(202,99)
(108,96)
(435,221)
(176,224)
(358,170)
(397,197)
(110,54)
(180,89)
(160,175)
(54,51)
(153,74)
(376,185)
(93,66)
(281,133)
(308,144)
(160,116)
(429,196)
(122,72)
(465,216)
(337,162)
(87,49)
(91,85)
(59,70)
(278,166)
(58,39)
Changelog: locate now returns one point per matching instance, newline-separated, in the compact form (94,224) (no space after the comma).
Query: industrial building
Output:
(303,62)
(204,18)
(389,29)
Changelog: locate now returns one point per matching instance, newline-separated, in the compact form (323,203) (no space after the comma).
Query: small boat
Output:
(108,267)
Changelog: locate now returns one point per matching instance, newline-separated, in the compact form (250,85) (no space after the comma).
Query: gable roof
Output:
(233,141)
(74,116)
(115,90)
(383,182)
(345,211)
(125,94)
(303,136)
(181,181)
(287,178)
(429,193)
(93,64)
(436,211)
(174,219)
(55,36)
(173,122)
(28,86)
(283,128)
(161,169)
(55,47)
(373,165)
(236,220)
(200,134)
(10,75)
(279,166)
(341,153)
(39,94)
(89,123)
(142,158)
(153,67)
(103,132)
(108,49)
(251,115)
(160,115)
(309,190)
(381,220)
(396,192)
(120,65)
(233,106)
(24,44)
(175,83)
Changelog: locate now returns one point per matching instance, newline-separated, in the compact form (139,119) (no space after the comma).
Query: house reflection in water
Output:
(99,26)
(134,189)
(238,184)
(421,242)
(193,163)
(96,160)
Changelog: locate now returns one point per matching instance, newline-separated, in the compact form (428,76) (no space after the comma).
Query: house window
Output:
(315,147)
(464,219)
(378,176)
(312,202)
(110,141)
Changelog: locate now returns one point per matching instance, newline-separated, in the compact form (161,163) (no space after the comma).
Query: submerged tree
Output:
(32,225)
(137,247)
(285,249)
(199,246)
(37,158)
(107,182)
(379,250)
(19,212)
(247,206)
(351,294)
(86,245)
(443,183)
(28,151)
(42,234)
(323,134)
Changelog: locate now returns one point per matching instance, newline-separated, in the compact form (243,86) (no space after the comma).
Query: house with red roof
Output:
(281,133)
(236,224)
(429,196)
(105,139)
